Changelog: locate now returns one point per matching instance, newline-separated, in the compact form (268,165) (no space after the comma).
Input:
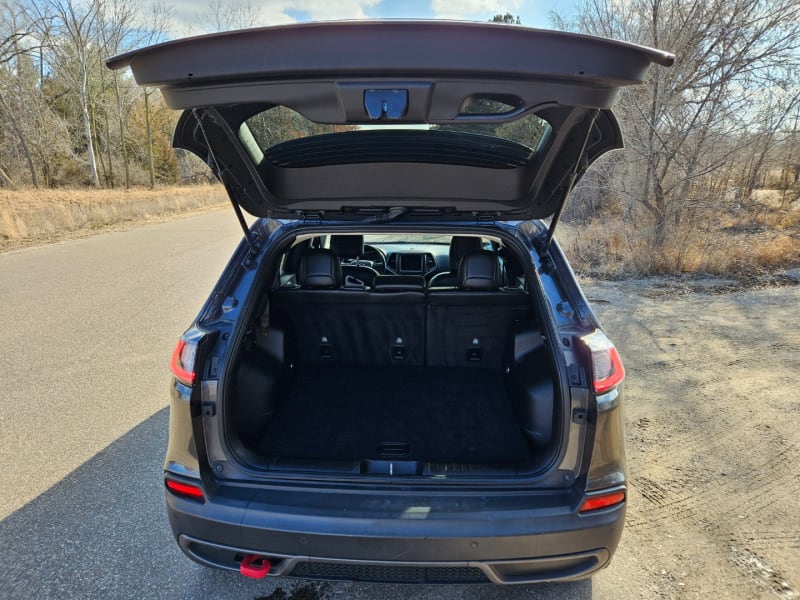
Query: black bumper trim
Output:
(522,571)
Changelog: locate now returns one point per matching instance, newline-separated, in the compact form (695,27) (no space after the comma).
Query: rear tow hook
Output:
(254,566)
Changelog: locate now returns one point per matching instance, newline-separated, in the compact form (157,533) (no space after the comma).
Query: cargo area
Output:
(397,378)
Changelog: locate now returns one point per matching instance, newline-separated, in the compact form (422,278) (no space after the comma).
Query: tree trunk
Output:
(96,133)
(108,153)
(755,169)
(87,129)
(122,143)
(149,139)
(5,179)
(786,178)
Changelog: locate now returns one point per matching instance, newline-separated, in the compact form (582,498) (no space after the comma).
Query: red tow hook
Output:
(254,566)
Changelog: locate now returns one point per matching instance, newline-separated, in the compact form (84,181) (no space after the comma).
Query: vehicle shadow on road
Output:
(102,531)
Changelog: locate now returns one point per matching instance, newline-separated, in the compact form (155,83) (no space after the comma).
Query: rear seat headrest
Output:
(319,268)
(460,246)
(480,271)
(292,262)
(348,246)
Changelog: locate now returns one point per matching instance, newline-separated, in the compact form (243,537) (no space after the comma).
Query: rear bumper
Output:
(532,570)
(400,537)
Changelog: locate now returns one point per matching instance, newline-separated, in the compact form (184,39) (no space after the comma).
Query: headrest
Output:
(292,262)
(319,268)
(460,246)
(348,246)
(512,266)
(480,271)
(399,283)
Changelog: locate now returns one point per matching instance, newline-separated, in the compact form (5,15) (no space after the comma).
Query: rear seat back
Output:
(470,325)
(330,325)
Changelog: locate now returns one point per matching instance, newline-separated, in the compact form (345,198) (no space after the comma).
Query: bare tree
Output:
(59,103)
(73,39)
(223,15)
(116,24)
(689,122)
(12,35)
(121,29)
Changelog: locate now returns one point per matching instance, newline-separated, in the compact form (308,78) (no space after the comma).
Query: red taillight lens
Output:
(608,370)
(184,489)
(602,501)
(606,363)
(182,363)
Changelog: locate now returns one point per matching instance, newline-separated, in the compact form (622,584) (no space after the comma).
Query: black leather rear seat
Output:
(470,325)
(398,322)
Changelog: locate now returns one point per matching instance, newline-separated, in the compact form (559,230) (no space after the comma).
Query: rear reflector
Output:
(184,489)
(602,501)
(182,363)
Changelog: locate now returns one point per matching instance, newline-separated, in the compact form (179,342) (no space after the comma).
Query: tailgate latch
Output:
(385,104)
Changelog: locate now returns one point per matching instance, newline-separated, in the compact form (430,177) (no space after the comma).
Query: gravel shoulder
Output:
(712,415)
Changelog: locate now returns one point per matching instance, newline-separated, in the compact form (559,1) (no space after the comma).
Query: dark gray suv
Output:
(397,377)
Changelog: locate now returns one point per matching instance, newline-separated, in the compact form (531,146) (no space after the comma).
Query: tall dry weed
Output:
(41,214)
(721,246)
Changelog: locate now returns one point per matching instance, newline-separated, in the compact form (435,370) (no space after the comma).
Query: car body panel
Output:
(381,51)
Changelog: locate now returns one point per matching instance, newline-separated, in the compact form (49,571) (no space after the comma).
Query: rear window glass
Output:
(282,124)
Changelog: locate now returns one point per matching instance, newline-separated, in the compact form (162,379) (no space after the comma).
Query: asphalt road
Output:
(87,329)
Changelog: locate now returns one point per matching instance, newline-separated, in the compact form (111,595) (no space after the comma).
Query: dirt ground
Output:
(713,428)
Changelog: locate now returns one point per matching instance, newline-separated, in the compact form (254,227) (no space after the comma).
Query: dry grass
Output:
(39,215)
(765,237)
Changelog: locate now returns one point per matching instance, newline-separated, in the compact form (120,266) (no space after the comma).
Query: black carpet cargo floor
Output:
(451,415)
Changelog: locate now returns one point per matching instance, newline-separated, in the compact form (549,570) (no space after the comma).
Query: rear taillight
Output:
(182,363)
(186,490)
(608,370)
(606,363)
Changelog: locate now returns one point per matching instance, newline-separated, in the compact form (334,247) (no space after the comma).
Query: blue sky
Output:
(187,14)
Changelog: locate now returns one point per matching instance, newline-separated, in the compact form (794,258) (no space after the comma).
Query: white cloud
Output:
(479,10)
(189,17)
(326,10)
